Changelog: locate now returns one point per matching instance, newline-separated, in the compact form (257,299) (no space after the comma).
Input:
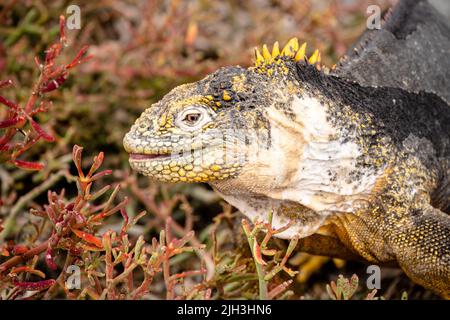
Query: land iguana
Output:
(357,161)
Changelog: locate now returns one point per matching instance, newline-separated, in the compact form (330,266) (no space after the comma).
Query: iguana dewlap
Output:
(365,168)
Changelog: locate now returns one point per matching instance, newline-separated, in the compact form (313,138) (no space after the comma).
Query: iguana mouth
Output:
(163,156)
(154,156)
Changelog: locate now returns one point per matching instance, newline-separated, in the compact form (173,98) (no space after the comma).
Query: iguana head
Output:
(209,130)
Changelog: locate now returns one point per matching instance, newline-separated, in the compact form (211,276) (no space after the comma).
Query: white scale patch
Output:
(252,209)
(311,185)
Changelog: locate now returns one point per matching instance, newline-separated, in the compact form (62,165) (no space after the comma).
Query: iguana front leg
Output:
(415,238)
(324,245)
(422,248)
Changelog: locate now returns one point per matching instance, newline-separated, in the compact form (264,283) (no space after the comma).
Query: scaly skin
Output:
(363,169)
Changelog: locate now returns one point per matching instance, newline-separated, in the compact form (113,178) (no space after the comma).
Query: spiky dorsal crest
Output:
(291,50)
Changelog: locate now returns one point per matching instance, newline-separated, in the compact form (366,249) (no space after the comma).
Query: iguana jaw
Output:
(184,162)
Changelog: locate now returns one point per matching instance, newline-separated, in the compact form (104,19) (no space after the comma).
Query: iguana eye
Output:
(192,118)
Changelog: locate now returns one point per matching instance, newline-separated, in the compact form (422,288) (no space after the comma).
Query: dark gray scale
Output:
(240,102)
(411,51)
(397,112)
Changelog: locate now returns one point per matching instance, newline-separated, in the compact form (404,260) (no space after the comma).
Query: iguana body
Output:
(358,170)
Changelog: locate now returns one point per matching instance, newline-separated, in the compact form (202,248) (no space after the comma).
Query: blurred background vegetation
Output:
(141,50)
